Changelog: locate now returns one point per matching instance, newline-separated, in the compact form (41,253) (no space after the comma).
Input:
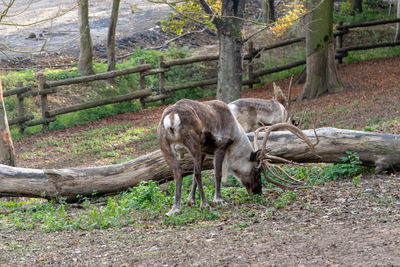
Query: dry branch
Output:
(374,149)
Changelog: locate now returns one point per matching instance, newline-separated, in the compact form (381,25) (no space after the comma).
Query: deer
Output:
(207,128)
(253,113)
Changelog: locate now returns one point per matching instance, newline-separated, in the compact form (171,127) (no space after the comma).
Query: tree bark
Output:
(356,6)
(111,36)
(321,70)
(268,11)
(7,153)
(397,36)
(85,66)
(229,85)
(374,149)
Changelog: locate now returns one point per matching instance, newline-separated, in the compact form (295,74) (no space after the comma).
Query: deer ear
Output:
(254,155)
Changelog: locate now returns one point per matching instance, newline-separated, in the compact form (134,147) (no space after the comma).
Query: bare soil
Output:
(339,224)
(61,34)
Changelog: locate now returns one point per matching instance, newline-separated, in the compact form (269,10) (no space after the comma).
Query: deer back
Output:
(252,113)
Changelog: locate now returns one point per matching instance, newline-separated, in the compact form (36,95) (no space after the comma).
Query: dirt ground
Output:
(340,224)
(61,35)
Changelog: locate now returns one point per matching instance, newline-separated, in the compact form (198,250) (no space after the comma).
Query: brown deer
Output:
(202,128)
(253,113)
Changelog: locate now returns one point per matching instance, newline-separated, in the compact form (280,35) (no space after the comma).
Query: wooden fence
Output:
(146,95)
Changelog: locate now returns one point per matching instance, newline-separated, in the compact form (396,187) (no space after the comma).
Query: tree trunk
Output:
(374,149)
(356,6)
(85,46)
(7,154)
(229,86)
(397,36)
(321,70)
(268,11)
(111,36)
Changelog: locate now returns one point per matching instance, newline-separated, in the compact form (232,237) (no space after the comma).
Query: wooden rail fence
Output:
(146,95)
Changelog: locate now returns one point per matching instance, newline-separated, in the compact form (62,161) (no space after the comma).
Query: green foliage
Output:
(285,199)
(371,11)
(351,166)
(372,53)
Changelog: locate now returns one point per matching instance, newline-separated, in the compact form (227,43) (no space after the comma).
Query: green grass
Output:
(371,11)
(112,144)
(372,53)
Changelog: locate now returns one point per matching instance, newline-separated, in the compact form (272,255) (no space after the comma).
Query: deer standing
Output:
(253,113)
(202,128)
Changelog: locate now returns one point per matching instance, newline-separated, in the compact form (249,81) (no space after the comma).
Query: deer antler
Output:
(265,158)
(289,114)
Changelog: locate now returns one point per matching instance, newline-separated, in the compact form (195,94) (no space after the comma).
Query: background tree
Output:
(7,153)
(321,70)
(230,36)
(111,35)
(397,36)
(356,6)
(268,10)
(226,16)
(85,66)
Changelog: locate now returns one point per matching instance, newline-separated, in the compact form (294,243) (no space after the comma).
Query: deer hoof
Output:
(204,206)
(190,201)
(219,202)
(173,211)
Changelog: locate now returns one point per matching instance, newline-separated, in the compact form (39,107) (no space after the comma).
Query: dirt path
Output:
(62,34)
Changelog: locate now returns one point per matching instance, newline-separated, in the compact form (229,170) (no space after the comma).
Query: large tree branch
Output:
(374,149)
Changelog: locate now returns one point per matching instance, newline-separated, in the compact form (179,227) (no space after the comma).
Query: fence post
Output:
(21,109)
(44,106)
(161,77)
(250,74)
(339,40)
(142,82)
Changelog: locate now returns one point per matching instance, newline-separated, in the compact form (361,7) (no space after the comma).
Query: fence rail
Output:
(146,95)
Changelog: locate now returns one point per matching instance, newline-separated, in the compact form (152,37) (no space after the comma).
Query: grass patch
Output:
(372,53)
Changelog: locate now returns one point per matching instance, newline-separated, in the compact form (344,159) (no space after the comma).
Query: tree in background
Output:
(397,36)
(321,70)
(226,16)
(230,35)
(85,66)
(111,36)
(356,6)
(268,11)
(7,153)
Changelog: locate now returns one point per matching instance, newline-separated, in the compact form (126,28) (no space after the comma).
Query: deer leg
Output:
(178,189)
(191,199)
(197,158)
(218,159)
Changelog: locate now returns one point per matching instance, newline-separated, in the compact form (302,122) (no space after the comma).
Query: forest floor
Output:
(348,222)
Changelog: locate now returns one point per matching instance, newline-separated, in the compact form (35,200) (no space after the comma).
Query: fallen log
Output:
(374,149)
